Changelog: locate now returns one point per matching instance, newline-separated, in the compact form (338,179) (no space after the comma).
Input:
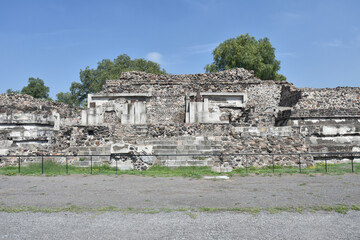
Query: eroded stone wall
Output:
(329,98)
(276,118)
(29,126)
(168,92)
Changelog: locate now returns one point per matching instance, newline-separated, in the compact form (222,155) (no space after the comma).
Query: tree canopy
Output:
(246,52)
(36,88)
(92,80)
(10,91)
(68,98)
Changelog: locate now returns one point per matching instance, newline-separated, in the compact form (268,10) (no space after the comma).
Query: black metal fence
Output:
(302,159)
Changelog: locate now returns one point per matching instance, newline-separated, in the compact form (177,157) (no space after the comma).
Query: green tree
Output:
(9,91)
(67,97)
(92,80)
(36,88)
(246,52)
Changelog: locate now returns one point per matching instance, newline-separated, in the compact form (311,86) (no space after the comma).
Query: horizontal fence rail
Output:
(331,154)
(324,157)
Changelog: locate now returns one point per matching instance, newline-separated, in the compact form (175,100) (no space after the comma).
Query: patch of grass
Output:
(183,209)
(342,209)
(355,207)
(167,210)
(71,208)
(51,168)
(108,209)
(206,209)
(274,210)
(192,215)
(322,208)
(239,210)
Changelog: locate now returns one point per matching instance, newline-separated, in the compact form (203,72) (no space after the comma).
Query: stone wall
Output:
(29,126)
(257,117)
(329,98)
(168,92)
(22,103)
(172,139)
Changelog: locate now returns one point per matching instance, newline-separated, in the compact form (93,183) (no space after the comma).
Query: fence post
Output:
(91,168)
(19,163)
(352,164)
(273,164)
(67,167)
(42,164)
(116,160)
(299,163)
(246,166)
(326,169)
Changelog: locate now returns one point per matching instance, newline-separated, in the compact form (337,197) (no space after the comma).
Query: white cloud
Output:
(155,57)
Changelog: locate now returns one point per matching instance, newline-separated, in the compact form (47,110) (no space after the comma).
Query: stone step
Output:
(86,163)
(93,153)
(144,131)
(164,151)
(206,143)
(182,163)
(194,151)
(162,142)
(141,127)
(334,140)
(190,158)
(190,138)
(323,122)
(94,158)
(84,148)
(164,147)
(333,148)
(141,130)
(202,147)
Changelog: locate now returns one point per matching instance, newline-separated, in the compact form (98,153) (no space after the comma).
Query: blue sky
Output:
(318,42)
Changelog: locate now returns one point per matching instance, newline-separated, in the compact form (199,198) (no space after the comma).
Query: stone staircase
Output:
(182,151)
(141,130)
(178,152)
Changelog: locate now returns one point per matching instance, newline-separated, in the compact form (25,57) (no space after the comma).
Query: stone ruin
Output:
(143,119)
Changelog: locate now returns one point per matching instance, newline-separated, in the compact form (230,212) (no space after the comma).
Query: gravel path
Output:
(146,192)
(177,225)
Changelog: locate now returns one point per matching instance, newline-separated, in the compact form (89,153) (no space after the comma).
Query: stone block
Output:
(125,165)
(215,168)
(148,159)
